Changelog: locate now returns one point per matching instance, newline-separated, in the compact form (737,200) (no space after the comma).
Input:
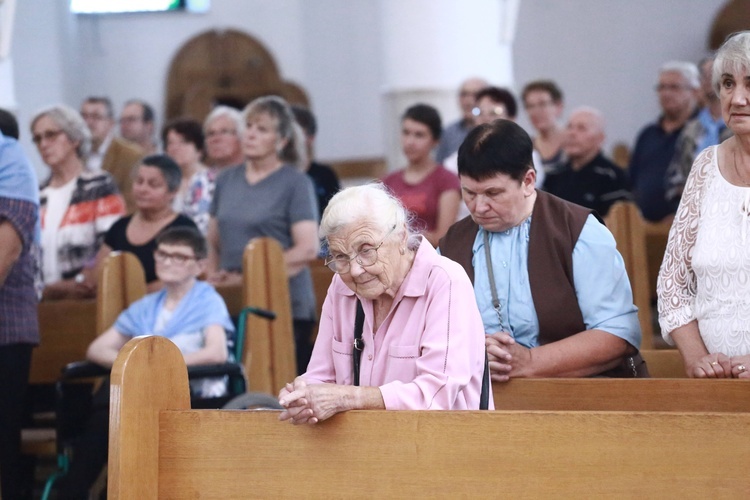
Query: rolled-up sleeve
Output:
(602,285)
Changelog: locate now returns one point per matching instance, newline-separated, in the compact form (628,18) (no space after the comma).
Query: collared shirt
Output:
(19,205)
(652,154)
(712,130)
(96,158)
(601,283)
(429,351)
(597,185)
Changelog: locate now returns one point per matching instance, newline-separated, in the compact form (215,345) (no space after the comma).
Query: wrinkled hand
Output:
(310,404)
(711,366)
(507,358)
(740,366)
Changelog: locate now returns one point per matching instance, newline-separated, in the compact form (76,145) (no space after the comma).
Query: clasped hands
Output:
(313,403)
(721,366)
(507,359)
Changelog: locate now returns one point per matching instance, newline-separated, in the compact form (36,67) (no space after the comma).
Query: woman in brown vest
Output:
(552,288)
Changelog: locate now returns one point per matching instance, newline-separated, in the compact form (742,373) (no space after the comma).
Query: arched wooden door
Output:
(223,67)
(734,16)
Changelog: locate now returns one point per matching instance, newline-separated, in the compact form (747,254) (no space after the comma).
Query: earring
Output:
(402,251)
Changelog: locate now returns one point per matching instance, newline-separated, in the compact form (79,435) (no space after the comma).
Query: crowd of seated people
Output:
(516,221)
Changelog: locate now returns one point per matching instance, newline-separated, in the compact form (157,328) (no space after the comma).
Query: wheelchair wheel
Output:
(253,401)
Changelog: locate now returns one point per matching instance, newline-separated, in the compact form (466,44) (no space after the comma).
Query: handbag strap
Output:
(484,397)
(359,344)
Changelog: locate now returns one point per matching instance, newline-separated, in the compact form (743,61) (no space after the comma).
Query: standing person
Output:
(455,133)
(543,102)
(550,284)
(183,141)
(422,333)
(703,288)
(77,206)
(425,188)
(19,328)
(587,178)
(137,125)
(268,196)
(656,143)
(107,152)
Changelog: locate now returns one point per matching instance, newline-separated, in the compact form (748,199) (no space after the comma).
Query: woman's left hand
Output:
(740,366)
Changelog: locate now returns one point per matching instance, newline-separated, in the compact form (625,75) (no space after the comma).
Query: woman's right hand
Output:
(711,366)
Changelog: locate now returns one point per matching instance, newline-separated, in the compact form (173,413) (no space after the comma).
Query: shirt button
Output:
(505,264)
(369,357)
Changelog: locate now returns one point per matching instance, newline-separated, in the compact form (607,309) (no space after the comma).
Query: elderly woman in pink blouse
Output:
(422,336)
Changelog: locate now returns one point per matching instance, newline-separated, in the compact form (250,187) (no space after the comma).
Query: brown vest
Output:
(555,227)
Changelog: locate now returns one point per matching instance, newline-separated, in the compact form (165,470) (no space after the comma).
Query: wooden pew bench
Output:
(600,394)
(159,448)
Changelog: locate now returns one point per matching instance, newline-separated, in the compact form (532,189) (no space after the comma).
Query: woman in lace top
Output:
(704,282)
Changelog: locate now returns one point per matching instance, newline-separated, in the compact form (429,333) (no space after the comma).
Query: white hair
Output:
(369,203)
(231,113)
(688,70)
(733,57)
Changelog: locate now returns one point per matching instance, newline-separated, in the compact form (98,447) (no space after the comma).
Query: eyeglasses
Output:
(341,264)
(177,258)
(49,135)
(537,105)
(130,119)
(495,111)
(94,116)
(671,87)
(221,131)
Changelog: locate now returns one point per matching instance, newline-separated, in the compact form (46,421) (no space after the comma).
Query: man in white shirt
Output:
(110,153)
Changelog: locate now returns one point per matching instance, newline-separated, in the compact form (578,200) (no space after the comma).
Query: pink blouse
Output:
(428,354)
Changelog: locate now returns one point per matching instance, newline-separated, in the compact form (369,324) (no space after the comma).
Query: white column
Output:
(7,89)
(431,46)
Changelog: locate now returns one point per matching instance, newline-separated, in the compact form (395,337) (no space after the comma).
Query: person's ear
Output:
(202,264)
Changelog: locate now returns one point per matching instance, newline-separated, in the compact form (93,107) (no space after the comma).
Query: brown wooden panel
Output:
(373,168)
(588,394)
(381,454)
(664,363)
(66,327)
(269,359)
(121,282)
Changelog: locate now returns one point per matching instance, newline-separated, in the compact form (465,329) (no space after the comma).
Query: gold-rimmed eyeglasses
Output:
(342,263)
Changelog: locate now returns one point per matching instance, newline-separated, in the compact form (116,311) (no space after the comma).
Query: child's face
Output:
(176,263)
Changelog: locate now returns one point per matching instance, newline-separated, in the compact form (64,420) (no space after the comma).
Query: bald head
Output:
(467,95)
(584,135)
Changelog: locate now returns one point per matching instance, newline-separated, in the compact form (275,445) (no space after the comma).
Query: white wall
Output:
(604,53)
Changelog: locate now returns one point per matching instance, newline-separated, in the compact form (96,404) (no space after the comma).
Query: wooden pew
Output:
(664,363)
(599,394)
(66,327)
(161,449)
(269,355)
(625,222)
(321,277)
(121,282)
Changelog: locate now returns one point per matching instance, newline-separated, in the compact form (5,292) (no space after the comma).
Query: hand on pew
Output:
(711,366)
(312,403)
(740,366)
(506,356)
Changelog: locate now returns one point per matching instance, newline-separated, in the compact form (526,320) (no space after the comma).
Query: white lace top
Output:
(705,274)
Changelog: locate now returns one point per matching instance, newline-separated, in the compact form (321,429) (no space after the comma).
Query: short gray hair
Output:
(71,123)
(688,70)
(372,203)
(732,57)
(280,111)
(231,113)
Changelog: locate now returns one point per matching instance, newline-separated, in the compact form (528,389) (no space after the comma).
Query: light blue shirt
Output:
(601,284)
(711,130)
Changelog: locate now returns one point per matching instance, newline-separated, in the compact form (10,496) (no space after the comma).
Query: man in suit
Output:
(112,154)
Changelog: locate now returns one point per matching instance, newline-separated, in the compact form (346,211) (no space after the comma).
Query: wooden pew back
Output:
(269,358)
(66,328)
(121,282)
(599,394)
(159,448)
